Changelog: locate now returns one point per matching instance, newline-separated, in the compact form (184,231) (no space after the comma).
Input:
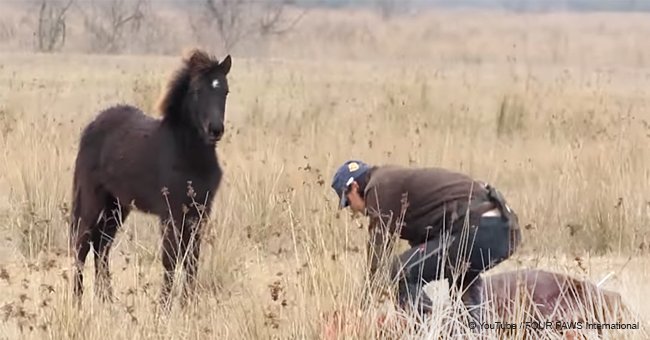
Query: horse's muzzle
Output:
(215,132)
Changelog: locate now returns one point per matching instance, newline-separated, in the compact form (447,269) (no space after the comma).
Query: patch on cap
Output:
(353,166)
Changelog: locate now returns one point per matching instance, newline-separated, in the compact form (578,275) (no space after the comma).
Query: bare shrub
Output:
(239,20)
(110,22)
(51,30)
(156,35)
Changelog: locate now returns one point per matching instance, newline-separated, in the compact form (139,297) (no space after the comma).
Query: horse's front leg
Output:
(192,248)
(170,251)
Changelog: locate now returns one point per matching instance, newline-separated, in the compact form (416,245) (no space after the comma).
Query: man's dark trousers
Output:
(472,246)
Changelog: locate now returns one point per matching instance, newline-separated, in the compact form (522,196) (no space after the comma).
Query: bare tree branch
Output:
(237,20)
(108,23)
(273,20)
(51,31)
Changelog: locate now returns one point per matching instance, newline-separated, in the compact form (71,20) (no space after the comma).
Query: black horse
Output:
(167,167)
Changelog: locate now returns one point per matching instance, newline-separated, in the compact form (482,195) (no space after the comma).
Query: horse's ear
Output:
(225,64)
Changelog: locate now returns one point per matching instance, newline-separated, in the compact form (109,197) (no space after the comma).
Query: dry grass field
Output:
(554,109)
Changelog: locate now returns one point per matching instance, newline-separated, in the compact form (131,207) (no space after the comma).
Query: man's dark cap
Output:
(346,174)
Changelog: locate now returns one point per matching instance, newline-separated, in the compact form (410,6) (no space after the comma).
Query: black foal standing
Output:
(167,167)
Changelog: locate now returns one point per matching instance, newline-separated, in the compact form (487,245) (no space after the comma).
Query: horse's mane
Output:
(195,63)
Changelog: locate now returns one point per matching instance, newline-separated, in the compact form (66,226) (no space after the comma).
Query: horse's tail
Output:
(75,211)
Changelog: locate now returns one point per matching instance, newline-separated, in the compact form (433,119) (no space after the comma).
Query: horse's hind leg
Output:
(81,247)
(103,236)
(85,210)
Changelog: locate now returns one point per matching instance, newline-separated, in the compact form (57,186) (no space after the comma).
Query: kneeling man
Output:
(457,227)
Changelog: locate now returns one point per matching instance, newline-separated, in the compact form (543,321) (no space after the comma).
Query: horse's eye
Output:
(215,83)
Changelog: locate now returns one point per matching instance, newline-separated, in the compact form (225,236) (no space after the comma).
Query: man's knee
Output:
(422,261)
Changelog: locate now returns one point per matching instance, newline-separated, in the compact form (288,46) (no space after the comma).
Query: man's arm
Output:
(375,245)
(379,230)
(379,244)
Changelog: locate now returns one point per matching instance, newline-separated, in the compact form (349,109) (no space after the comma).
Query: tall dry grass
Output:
(561,136)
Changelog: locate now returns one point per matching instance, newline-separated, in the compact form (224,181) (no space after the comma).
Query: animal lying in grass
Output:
(548,301)
(527,296)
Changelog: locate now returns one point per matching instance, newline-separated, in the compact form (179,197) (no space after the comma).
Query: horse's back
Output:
(114,139)
(114,119)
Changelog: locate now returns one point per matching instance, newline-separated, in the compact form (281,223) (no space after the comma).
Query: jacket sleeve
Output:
(380,238)
(376,245)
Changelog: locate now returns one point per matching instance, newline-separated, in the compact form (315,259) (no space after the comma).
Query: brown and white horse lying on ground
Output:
(541,300)
(552,302)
